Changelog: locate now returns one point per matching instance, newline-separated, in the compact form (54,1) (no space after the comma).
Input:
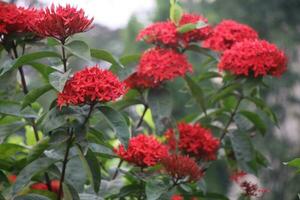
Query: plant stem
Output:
(64,59)
(117,170)
(89,114)
(142,117)
(231,117)
(65,161)
(25,91)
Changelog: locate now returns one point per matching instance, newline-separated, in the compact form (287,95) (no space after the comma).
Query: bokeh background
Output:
(117,22)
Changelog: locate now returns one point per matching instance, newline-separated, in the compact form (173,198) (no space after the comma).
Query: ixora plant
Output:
(112,133)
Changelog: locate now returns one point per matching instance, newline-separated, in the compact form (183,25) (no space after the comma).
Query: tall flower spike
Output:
(197,34)
(254,58)
(91,85)
(182,168)
(194,140)
(160,33)
(62,22)
(163,64)
(143,151)
(227,33)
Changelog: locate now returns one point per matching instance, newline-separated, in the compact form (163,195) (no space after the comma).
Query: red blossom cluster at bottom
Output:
(179,197)
(182,168)
(249,188)
(143,151)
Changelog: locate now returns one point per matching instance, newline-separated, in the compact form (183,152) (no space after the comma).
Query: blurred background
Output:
(117,22)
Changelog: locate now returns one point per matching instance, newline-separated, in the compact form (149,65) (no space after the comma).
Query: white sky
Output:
(111,13)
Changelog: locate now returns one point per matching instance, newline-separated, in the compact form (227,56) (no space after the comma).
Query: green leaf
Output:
(34,94)
(208,75)
(15,109)
(31,197)
(10,151)
(294,163)
(161,103)
(92,168)
(155,188)
(38,149)
(106,56)
(52,42)
(191,26)
(265,108)
(58,80)
(27,59)
(70,192)
(204,51)
(196,92)
(243,148)
(79,49)
(31,170)
(117,122)
(208,195)
(224,92)
(255,119)
(43,69)
(176,13)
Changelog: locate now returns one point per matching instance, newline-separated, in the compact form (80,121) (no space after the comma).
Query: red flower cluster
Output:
(227,33)
(177,197)
(254,57)
(249,189)
(182,168)
(42,186)
(163,64)
(142,151)
(166,33)
(138,81)
(91,85)
(160,33)
(197,34)
(61,22)
(194,140)
(12,178)
(15,19)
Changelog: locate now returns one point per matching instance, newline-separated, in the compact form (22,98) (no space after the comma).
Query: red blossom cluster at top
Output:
(194,140)
(163,64)
(197,34)
(160,33)
(166,33)
(249,189)
(254,58)
(91,85)
(182,168)
(61,22)
(143,151)
(227,33)
(15,19)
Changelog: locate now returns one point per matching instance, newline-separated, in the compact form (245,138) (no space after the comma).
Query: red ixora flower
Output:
(91,85)
(143,151)
(249,188)
(177,197)
(12,178)
(254,58)
(138,81)
(197,34)
(42,186)
(182,168)
(227,33)
(15,19)
(163,64)
(160,33)
(194,140)
(61,22)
